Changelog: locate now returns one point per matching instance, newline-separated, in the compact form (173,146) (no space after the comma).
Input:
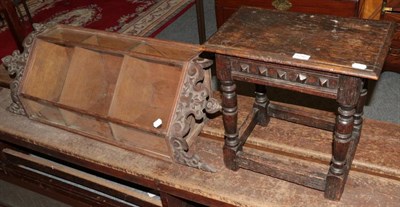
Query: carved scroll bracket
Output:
(191,113)
(16,63)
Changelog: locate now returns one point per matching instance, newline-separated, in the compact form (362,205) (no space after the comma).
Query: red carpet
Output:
(135,17)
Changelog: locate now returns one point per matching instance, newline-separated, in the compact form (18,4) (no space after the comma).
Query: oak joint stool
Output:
(325,56)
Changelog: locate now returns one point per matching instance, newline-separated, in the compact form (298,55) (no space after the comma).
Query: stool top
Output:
(350,46)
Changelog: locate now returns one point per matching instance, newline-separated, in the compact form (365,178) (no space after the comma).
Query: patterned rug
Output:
(134,17)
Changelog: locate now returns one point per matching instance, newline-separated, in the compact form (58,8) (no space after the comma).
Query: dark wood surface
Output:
(334,44)
(370,9)
(16,27)
(393,59)
(226,188)
(345,8)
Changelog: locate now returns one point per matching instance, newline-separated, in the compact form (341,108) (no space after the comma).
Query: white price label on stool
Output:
(301,56)
(359,66)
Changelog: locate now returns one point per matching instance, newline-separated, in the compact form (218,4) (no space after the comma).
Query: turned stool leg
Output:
(229,114)
(348,96)
(261,104)
(358,120)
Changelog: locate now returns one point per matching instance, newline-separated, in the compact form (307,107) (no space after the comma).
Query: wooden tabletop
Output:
(349,46)
(242,188)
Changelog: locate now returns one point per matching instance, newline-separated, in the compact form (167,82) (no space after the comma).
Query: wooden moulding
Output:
(113,88)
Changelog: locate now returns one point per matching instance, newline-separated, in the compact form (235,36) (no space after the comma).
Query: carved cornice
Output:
(16,63)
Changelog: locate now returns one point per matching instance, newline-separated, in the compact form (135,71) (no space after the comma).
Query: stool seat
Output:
(333,44)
